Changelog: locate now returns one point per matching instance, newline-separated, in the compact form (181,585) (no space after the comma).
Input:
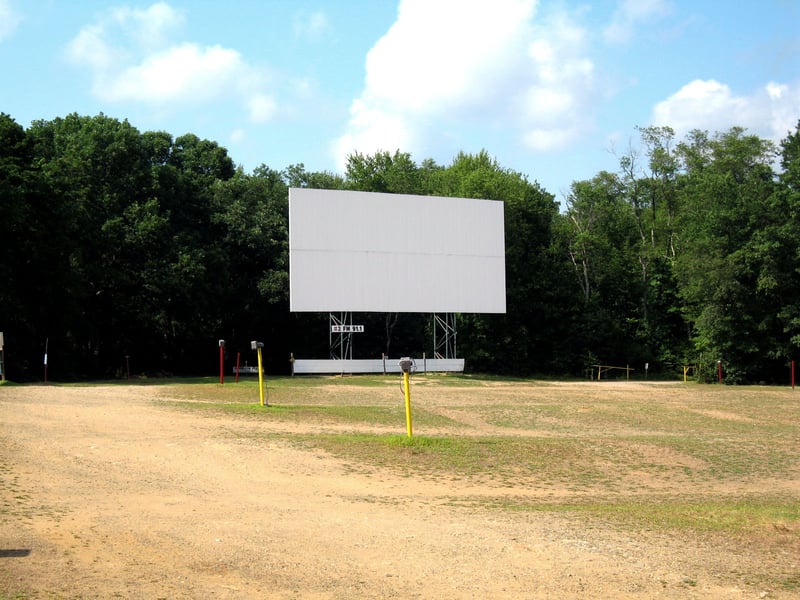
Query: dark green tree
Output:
(383,172)
(89,171)
(650,184)
(778,252)
(524,339)
(726,208)
(252,213)
(604,246)
(22,237)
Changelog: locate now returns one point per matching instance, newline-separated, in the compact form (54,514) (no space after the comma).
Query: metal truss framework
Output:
(341,344)
(444,335)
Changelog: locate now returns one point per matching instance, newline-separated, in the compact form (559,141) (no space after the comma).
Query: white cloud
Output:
(133,57)
(556,102)
(261,108)
(238,135)
(443,51)
(770,112)
(449,61)
(182,73)
(311,25)
(629,14)
(371,130)
(152,27)
(90,48)
(543,140)
(9,19)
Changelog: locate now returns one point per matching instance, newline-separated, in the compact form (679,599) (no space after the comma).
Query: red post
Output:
(238,356)
(719,370)
(221,362)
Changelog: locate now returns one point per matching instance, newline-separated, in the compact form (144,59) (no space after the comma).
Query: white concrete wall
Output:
(430,365)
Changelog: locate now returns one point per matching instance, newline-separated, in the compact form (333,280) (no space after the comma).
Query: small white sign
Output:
(347,328)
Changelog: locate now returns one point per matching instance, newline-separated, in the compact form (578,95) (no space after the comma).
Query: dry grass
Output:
(656,454)
(713,462)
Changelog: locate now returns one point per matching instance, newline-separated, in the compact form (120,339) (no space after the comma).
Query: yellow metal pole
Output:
(407,391)
(260,379)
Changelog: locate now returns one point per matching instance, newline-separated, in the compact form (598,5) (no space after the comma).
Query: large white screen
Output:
(370,252)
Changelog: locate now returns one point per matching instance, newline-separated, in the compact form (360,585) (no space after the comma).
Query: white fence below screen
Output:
(390,365)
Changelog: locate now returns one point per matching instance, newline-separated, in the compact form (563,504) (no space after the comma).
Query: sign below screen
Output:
(347,329)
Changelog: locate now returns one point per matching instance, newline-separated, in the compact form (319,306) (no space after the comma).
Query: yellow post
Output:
(407,391)
(260,379)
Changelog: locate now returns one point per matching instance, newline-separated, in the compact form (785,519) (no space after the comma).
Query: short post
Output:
(793,375)
(407,389)
(719,370)
(2,359)
(238,358)
(128,365)
(46,344)
(221,362)
(406,365)
(257,346)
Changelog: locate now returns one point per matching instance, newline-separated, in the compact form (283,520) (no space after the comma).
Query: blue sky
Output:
(552,89)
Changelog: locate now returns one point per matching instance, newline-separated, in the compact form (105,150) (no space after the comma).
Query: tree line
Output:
(127,251)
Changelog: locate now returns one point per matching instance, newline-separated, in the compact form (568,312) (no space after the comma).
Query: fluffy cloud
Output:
(152,27)
(445,62)
(770,111)
(311,25)
(261,108)
(629,15)
(178,74)
(9,19)
(133,57)
(555,101)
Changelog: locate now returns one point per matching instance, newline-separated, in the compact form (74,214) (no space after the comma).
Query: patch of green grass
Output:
(754,514)
(732,458)
(789,583)
(578,459)
(142,381)
(283,390)
(598,464)
(520,461)
(657,457)
(388,416)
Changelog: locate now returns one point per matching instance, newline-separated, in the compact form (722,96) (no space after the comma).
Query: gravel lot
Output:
(110,492)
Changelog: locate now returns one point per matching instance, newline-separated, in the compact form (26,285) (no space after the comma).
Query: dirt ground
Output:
(109,492)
